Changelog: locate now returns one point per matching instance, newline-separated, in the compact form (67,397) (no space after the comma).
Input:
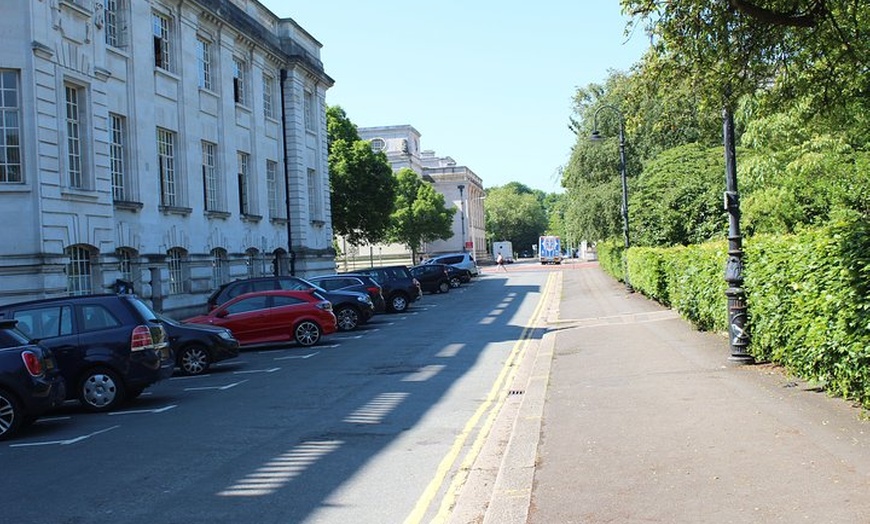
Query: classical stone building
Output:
(459,185)
(173,144)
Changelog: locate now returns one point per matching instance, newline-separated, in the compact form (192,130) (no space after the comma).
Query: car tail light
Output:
(32,362)
(373,290)
(325,305)
(141,338)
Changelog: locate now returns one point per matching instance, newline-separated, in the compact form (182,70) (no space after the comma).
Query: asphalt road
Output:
(370,426)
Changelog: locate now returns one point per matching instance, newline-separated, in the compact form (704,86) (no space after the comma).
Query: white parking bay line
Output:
(62,442)
(292,357)
(216,388)
(250,371)
(140,411)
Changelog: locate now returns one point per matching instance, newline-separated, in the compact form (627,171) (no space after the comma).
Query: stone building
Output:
(172,144)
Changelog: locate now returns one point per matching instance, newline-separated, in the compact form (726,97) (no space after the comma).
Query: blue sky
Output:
(488,83)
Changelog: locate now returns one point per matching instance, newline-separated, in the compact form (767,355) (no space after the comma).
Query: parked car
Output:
(109,348)
(352,282)
(433,278)
(197,347)
(30,383)
(351,308)
(457,276)
(460,260)
(400,288)
(265,317)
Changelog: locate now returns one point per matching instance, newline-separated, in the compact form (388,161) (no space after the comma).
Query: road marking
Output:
(251,371)
(293,357)
(62,442)
(140,411)
(491,404)
(219,388)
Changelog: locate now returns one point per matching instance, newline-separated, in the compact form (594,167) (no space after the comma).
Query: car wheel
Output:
(455,282)
(100,389)
(11,417)
(307,333)
(194,360)
(399,303)
(347,318)
(443,286)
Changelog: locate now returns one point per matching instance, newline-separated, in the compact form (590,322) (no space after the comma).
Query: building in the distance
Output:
(173,144)
(459,185)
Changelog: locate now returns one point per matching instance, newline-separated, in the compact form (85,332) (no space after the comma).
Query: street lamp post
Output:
(462,213)
(622,173)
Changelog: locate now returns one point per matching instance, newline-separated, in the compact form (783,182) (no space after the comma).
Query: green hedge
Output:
(808,296)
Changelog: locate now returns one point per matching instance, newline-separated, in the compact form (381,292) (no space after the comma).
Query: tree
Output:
(421,214)
(516,213)
(362,183)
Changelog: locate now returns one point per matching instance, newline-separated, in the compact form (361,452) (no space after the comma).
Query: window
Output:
(268,98)
(209,176)
(78,270)
(166,164)
(10,128)
(244,204)
(96,317)
(219,267)
(272,187)
(309,111)
(240,74)
(252,259)
(175,260)
(250,304)
(126,260)
(314,212)
(378,144)
(161,27)
(74,142)
(115,24)
(117,154)
(203,60)
(45,322)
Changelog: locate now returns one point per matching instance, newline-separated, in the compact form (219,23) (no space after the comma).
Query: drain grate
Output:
(515,392)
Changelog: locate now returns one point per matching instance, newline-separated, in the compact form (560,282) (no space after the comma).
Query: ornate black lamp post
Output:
(597,136)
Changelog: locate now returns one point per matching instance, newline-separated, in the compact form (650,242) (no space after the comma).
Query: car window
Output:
(239,289)
(248,304)
(96,317)
(11,338)
(450,260)
(45,322)
(292,284)
(329,284)
(264,285)
(146,312)
(280,301)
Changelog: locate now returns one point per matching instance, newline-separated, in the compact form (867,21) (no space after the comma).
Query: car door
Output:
(247,318)
(285,312)
(53,327)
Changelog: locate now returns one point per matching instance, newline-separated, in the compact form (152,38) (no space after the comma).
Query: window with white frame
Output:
(10,128)
(244,197)
(314,205)
(117,156)
(220,265)
(272,188)
(126,261)
(268,95)
(78,270)
(166,165)
(176,263)
(209,176)
(310,117)
(162,32)
(203,61)
(240,81)
(73,96)
(116,26)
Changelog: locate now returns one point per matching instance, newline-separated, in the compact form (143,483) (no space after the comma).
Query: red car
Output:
(265,317)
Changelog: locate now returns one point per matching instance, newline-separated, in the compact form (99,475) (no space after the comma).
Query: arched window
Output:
(127,263)
(176,260)
(79,279)
(279,263)
(254,262)
(220,267)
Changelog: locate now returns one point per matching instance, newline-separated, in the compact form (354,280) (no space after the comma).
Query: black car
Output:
(351,308)
(198,346)
(108,348)
(30,383)
(400,288)
(433,278)
(457,276)
(352,282)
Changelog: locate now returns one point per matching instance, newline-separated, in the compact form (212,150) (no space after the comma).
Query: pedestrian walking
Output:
(499,260)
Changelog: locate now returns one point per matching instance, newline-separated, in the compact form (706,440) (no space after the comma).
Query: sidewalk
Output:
(644,419)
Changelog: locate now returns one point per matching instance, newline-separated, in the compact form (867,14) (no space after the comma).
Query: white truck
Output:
(505,248)
(550,249)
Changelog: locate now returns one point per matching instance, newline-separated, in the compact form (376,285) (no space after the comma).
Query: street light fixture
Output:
(462,213)
(596,136)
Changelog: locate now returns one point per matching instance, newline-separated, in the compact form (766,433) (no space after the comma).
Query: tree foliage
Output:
(361,180)
(514,212)
(421,214)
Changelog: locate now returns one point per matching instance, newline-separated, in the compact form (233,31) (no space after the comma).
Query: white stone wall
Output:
(54,43)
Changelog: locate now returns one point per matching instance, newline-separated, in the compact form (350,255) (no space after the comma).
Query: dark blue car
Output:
(30,383)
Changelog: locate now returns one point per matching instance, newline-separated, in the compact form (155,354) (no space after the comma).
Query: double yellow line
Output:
(492,404)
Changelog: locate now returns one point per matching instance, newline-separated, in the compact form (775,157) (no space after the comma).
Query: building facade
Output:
(174,145)
(459,185)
